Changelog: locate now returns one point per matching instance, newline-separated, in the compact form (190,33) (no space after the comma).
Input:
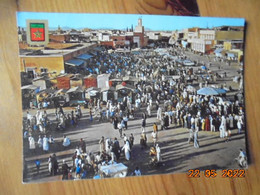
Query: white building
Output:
(154,35)
(207,34)
(200,45)
(103,37)
(191,36)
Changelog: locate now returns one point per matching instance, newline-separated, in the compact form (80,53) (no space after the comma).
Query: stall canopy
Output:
(93,53)
(218,50)
(121,87)
(74,90)
(84,56)
(114,170)
(60,92)
(93,89)
(130,78)
(211,91)
(31,87)
(74,62)
(108,89)
(116,80)
(98,49)
(231,55)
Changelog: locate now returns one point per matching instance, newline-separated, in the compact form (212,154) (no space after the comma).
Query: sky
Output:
(122,21)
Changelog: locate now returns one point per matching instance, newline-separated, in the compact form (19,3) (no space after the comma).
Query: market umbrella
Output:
(203,67)
(211,91)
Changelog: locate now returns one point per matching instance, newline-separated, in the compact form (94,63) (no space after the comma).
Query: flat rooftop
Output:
(54,49)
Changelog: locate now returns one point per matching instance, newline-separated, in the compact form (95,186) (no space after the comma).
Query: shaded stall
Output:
(84,56)
(44,97)
(76,96)
(60,97)
(108,94)
(114,170)
(29,96)
(74,66)
(42,83)
(123,91)
(76,81)
(130,80)
(92,93)
(114,82)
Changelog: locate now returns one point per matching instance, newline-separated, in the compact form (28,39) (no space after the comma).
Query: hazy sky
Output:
(122,21)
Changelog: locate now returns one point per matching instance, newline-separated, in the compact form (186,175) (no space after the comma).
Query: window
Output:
(44,70)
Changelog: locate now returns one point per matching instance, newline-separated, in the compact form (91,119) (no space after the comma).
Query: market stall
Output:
(114,170)
(76,96)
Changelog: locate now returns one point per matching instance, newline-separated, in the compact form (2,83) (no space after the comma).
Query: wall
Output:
(51,63)
(229,35)
(59,38)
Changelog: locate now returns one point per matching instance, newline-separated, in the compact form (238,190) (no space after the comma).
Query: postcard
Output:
(114,95)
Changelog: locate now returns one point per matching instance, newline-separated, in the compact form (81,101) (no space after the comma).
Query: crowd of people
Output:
(164,88)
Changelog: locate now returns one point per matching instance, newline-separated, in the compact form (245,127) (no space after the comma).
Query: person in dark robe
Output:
(116,148)
(55,165)
(82,145)
(115,122)
(166,121)
(143,140)
(207,124)
(131,140)
(143,124)
(65,170)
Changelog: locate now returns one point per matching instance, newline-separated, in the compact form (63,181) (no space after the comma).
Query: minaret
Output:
(140,22)
(139,28)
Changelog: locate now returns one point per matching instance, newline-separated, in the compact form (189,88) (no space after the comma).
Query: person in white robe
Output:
(38,121)
(45,144)
(113,157)
(191,135)
(127,150)
(137,172)
(78,151)
(159,114)
(239,124)
(158,153)
(29,117)
(196,141)
(154,137)
(40,142)
(196,123)
(223,127)
(66,141)
(50,164)
(102,144)
(31,142)
(107,144)
(51,140)
(149,110)
(231,121)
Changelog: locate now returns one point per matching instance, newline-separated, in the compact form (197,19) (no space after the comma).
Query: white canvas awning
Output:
(74,89)
(114,170)
(32,87)
(129,87)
